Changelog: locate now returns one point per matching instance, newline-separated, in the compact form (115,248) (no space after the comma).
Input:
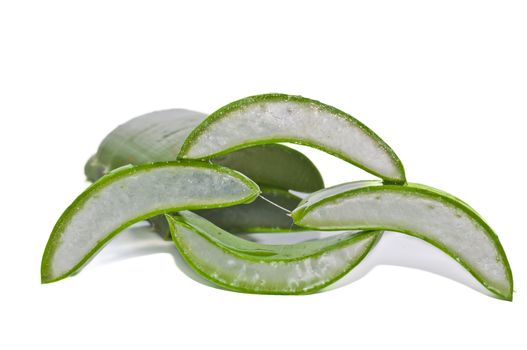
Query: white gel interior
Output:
(294,121)
(426,216)
(269,276)
(131,197)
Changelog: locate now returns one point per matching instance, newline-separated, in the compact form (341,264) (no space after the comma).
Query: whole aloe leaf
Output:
(158,136)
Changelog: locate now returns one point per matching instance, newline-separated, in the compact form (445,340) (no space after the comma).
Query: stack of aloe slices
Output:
(200,180)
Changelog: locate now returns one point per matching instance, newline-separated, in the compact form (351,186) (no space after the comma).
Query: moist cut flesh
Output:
(274,118)
(240,265)
(131,194)
(417,210)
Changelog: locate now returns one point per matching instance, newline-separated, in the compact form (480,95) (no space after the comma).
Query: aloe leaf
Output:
(272,118)
(158,136)
(249,267)
(275,166)
(130,194)
(417,210)
(153,137)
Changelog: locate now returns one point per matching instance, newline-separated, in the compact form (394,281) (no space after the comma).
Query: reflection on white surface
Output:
(140,240)
(402,250)
(393,249)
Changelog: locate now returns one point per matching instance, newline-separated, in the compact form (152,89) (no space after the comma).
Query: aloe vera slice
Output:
(432,215)
(249,267)
(158,136)
(131,194)
(274,118)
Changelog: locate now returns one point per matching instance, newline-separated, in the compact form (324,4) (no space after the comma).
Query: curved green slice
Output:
(158,136)
(249,267)
(432,215)
(130,194)
(272,118)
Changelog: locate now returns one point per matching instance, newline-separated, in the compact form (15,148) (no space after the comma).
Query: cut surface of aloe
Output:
(158,136)
(432,215)
(130,194)
(245,266)
(272,118)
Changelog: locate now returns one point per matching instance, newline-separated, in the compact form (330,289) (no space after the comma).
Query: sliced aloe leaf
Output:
(257,216)
(130,194)
(245,266)
(158,136)
(432,215)
(274,118)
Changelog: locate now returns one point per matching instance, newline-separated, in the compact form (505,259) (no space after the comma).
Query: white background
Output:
(444,83)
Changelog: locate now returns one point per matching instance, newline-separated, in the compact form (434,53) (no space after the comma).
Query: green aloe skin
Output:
(239,265)
(421,211)
(158,136)
(132,194)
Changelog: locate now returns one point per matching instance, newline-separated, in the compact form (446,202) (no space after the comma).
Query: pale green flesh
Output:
(273,118)
(131,194)
(417,210)
(240,265)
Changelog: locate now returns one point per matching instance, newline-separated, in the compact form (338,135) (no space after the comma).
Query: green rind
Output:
(239,104)
(303,210)
(257,256)
(54,239)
